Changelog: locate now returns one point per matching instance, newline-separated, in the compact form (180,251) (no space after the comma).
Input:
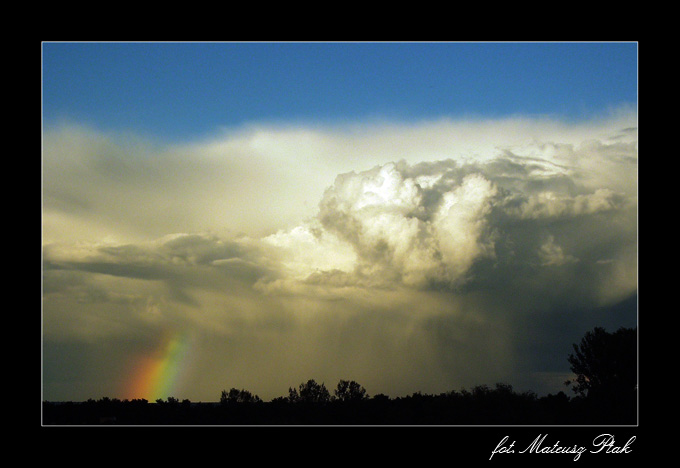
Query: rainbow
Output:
(161,372)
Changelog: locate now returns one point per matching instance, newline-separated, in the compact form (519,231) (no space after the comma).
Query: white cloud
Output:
(460,222)
(260,179)
(304,250)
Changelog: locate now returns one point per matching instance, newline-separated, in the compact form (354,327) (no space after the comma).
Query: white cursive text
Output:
(604,443)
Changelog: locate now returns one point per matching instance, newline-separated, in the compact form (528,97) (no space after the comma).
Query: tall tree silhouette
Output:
(310,392)
(605,363)
(350,391)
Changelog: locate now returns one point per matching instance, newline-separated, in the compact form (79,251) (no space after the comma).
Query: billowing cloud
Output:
(429,224)
(406,257)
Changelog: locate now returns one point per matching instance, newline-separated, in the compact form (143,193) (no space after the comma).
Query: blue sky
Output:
(177,91)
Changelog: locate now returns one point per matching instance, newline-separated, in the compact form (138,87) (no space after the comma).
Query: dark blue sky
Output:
(185,90)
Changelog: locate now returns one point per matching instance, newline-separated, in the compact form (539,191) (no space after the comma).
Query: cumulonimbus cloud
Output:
(565,201)
(428,224)
(456,235)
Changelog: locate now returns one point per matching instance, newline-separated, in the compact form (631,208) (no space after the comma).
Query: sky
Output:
(412,216)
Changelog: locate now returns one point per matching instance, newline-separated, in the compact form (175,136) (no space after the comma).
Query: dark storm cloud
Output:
(531,253)
(182,261)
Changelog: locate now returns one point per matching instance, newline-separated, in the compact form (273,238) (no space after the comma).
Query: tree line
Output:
(604,387)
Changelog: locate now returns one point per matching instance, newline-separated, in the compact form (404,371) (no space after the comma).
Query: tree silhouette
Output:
(605,366)
(605,363)
(350,391)
(310,392)
(238,396)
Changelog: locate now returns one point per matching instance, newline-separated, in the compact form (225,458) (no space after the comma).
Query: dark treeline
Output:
(604,364)
(481,405)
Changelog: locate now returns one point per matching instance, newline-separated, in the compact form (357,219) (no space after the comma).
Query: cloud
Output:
(407,257)
(429,224)
(258,179)
(552,254)
(402,228)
